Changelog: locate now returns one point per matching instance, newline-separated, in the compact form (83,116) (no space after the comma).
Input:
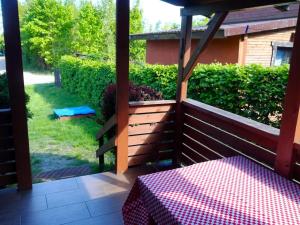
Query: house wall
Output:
(259,46)
(219,50)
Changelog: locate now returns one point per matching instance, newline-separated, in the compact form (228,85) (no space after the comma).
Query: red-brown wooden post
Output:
(184,56)
(14,70)
(290,124)
(122,70)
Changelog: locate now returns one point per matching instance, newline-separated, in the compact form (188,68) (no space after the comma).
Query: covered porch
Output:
(178,133)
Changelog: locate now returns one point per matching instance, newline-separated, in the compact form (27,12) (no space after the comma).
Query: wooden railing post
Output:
(290,123)
(184,56)
(122,70)
(14,70)
(101,157)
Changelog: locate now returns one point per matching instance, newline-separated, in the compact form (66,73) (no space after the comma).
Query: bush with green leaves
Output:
(252,91)
(4,95)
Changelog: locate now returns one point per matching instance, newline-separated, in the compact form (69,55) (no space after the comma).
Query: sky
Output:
(155,11)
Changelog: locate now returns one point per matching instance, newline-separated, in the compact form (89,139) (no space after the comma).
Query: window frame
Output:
(279,44)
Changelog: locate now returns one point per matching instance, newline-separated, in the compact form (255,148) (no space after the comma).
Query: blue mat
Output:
(73,111)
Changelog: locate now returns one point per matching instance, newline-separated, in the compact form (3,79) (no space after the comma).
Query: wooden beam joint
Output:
(212,28)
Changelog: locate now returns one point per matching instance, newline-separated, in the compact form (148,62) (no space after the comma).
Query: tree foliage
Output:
(46,28)
(53,28)
(137,47)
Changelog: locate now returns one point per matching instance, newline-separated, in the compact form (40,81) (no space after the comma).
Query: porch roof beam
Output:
(210,32)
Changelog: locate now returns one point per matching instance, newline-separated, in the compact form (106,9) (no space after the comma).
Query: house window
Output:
(282,52)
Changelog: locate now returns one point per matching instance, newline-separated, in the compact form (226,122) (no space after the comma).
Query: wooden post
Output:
(122,70)
(243,44)
(212,27)
(184,56)
(290,123)
(14,70)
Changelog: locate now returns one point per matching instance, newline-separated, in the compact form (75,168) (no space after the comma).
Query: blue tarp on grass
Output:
(73,111)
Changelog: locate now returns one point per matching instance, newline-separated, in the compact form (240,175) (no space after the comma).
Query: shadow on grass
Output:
(61,144)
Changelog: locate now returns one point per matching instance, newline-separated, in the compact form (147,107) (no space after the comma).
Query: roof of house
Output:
(241,22)
(216,3)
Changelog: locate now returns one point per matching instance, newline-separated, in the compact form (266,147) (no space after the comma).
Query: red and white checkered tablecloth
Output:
(228,191)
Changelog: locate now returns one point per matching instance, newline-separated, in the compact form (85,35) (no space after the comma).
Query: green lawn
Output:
(56,144)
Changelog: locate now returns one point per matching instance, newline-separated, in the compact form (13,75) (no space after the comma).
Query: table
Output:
(234,190)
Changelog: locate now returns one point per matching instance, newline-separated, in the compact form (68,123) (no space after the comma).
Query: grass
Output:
(56,144)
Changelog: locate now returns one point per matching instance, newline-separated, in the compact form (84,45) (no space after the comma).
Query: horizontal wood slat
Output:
(148,149)
(185,159)
(107,126)
(151,118)
(106,147)
(210,142)
(6,143)
(261,134)
(195,140)
(240,145)
(151,103)
(5,116)
(150,138)
(142,159)
(151,109)
(151,128)
(7,156)
(6,131)
(8,179)
(192,154)
(7,167)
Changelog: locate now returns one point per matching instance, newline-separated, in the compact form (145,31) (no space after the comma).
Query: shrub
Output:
(252,91)
(136,93)
(4,95)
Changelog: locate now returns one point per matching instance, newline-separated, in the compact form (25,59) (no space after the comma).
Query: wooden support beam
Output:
(181,93)
(209,34)
(184,56)
(290,123)
(122,70)
(14,70)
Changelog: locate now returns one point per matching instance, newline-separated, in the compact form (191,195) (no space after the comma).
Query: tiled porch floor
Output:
(87,200)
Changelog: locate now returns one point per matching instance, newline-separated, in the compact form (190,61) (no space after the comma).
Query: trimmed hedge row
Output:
(253,91)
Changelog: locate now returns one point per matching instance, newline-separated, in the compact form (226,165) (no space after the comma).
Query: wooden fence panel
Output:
(7,151)
(151,131)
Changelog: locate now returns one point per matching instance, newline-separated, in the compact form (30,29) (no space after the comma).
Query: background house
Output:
(263,36)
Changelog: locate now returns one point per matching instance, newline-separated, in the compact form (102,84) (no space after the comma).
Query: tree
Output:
(46,29)
(200,21)
(89,37)
(137,47)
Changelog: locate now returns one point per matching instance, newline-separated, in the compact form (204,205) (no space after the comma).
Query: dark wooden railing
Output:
(151,131)
(208,133)
(297,162)
(110,145)
(7,152)
(211,133)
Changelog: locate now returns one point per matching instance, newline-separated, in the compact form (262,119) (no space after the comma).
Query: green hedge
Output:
(252,91)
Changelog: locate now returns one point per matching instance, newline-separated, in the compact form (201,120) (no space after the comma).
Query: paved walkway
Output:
(30,78)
